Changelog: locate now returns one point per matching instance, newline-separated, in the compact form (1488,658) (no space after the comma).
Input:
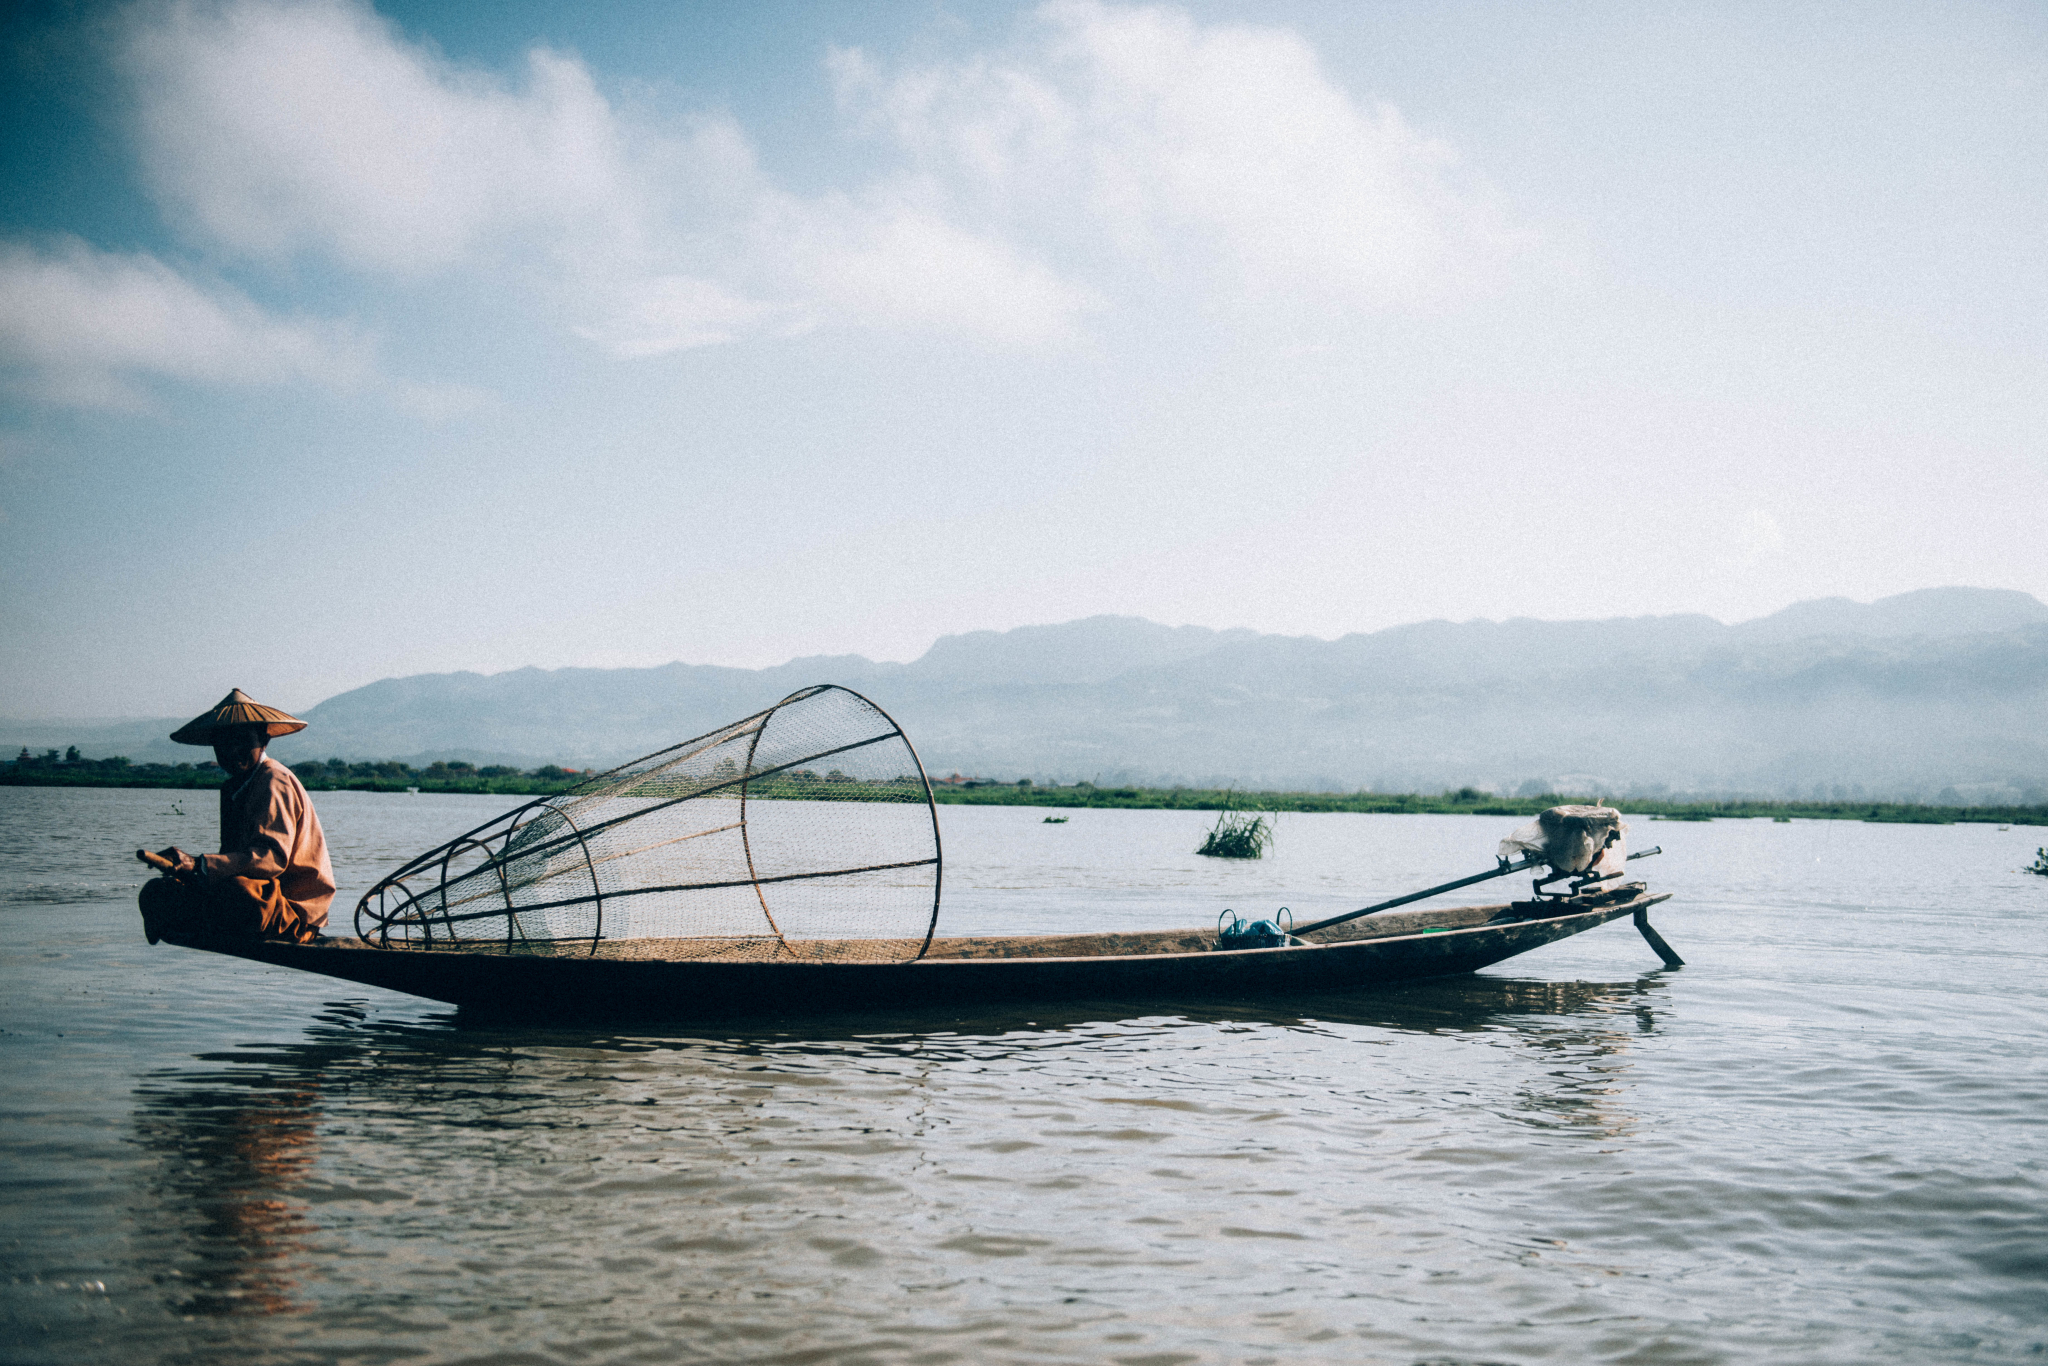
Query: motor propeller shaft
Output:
(1533,861)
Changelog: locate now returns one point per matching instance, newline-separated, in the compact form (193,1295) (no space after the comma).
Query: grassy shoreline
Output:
(1469,803)
(1082,796)
(386,778)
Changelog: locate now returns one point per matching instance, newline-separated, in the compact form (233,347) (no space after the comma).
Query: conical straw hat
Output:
(236,709)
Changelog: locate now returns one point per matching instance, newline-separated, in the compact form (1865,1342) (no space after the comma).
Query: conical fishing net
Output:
(805,831)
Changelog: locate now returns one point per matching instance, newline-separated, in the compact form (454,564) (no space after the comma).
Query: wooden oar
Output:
(1531,862)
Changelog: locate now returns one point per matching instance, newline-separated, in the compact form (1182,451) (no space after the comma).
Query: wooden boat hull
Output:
(961,972)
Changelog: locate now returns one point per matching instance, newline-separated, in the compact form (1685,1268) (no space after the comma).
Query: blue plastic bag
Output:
(1253,934)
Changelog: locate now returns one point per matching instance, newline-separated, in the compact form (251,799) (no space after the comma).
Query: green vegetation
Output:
(803,785)
(337,775)
(1237,834)
(2040,862)
(52,769)
(1470,802)
(48,770)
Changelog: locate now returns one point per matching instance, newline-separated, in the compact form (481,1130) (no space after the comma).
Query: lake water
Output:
(1820,1141)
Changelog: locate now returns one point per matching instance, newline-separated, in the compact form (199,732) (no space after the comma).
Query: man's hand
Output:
(171,860)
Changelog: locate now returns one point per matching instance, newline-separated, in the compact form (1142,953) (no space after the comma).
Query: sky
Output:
(339,343)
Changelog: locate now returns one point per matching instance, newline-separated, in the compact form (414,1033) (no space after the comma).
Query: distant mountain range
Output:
(1940,694)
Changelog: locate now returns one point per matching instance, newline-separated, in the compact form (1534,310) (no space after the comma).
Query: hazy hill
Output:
(1928,612)
(1939,693)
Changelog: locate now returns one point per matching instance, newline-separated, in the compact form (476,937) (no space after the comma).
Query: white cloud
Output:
(887,260)
(272,128)
(1222,154)
(275,127)
(81,327)
(673,312)
(1114,150)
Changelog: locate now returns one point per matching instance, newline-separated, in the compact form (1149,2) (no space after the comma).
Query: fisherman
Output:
(271,878)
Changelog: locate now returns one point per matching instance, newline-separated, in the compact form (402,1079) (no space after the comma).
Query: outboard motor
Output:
(1585,847)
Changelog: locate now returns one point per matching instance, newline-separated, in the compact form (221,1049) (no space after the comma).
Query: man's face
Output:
(239,753)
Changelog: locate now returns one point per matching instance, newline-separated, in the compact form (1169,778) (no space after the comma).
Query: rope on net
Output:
(803,832)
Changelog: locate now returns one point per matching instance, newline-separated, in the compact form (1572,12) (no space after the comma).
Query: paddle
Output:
(1532,861)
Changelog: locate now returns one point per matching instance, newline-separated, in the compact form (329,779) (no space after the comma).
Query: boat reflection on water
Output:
(481,1100)
(1477,1002)
(1585,1064)
(1578,1033)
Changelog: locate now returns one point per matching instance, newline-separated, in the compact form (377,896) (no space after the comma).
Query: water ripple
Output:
(1816,1143)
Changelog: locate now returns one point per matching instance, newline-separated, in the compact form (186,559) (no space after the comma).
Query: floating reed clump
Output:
(1237,834)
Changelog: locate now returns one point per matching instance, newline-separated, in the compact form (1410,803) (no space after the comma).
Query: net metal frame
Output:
(539,878)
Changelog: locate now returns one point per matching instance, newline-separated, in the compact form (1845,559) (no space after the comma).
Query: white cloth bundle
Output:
(1573,839)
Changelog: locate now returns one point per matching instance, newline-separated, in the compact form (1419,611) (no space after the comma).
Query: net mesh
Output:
(804,831)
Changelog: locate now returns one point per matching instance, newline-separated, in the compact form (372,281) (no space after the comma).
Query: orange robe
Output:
(272,847)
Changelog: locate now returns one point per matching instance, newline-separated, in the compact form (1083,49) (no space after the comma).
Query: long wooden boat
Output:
(652,978)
